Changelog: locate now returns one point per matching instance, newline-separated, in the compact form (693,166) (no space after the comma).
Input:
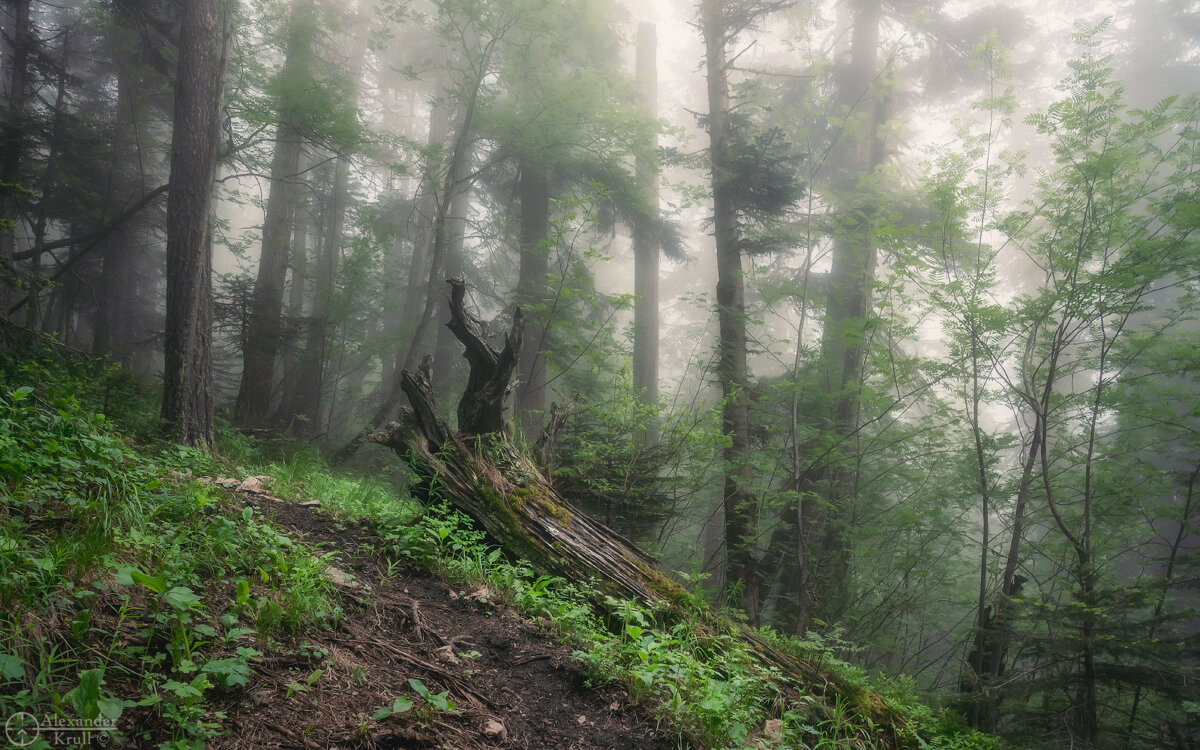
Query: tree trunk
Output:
(828,488)
(18,40)
(645,246)
(187,378)
(264,327)
(419,271)
(534,192)
(444,353)
(455,180)
(312,368)
(518,507)
(297,292)
(118,305)
(33,310)
(732,369)
(853,262)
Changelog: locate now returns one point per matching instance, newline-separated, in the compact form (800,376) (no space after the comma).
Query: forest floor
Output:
(511,683)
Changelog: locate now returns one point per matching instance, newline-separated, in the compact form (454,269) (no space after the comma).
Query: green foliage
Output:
(305,476)
(704,683)
(1078,356)
(117,543)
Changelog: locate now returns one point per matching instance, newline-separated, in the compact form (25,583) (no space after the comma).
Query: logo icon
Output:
(22,729)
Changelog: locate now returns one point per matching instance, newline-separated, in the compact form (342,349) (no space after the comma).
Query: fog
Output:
(877,317)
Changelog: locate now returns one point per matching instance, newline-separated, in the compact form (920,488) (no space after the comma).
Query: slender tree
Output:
(18,40)
(533,191)
(264,326)
(720,25)
(646,249)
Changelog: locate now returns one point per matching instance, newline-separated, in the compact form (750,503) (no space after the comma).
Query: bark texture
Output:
(187,374)
(516,505)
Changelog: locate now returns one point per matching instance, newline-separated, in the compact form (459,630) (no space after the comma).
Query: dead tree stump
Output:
(479,470)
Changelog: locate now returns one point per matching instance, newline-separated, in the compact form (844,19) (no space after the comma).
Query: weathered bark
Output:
(543,450)
(517,506)
(482,473)
(187,376)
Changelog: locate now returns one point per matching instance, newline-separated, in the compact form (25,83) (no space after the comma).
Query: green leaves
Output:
(436,701)
(399,706)
(440,701)
(304,687)
(188,692)
(11,667)
(232,671)
(157,584)
(182,598)
(90,702)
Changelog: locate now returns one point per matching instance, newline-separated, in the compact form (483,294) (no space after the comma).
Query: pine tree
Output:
(205,35)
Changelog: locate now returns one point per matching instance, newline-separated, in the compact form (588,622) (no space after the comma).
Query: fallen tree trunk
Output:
(480,471)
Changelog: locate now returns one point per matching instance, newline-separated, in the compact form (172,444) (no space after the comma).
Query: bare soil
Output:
(513,683)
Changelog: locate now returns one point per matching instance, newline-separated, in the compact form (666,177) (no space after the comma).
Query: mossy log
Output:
(481,472)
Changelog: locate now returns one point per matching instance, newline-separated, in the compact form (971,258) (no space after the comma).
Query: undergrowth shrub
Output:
(129,592)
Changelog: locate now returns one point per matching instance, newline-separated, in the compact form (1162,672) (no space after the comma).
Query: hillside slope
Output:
(148,603)
(510,682)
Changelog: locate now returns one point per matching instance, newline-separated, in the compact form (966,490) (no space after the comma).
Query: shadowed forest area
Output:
(600,373)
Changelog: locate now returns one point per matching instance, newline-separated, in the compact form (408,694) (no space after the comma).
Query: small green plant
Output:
(304,687)
(401,705)
(233,671)
(439,701)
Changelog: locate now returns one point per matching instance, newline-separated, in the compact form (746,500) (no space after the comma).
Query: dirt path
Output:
(522,690)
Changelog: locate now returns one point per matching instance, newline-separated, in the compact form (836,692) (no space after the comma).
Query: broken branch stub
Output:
(482,473)
(481,409)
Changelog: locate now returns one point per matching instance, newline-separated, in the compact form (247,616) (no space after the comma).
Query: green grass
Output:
(124,585)
(128,589)
(306,476)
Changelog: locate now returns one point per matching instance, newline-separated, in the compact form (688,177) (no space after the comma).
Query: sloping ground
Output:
(141,607)
(511,683)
